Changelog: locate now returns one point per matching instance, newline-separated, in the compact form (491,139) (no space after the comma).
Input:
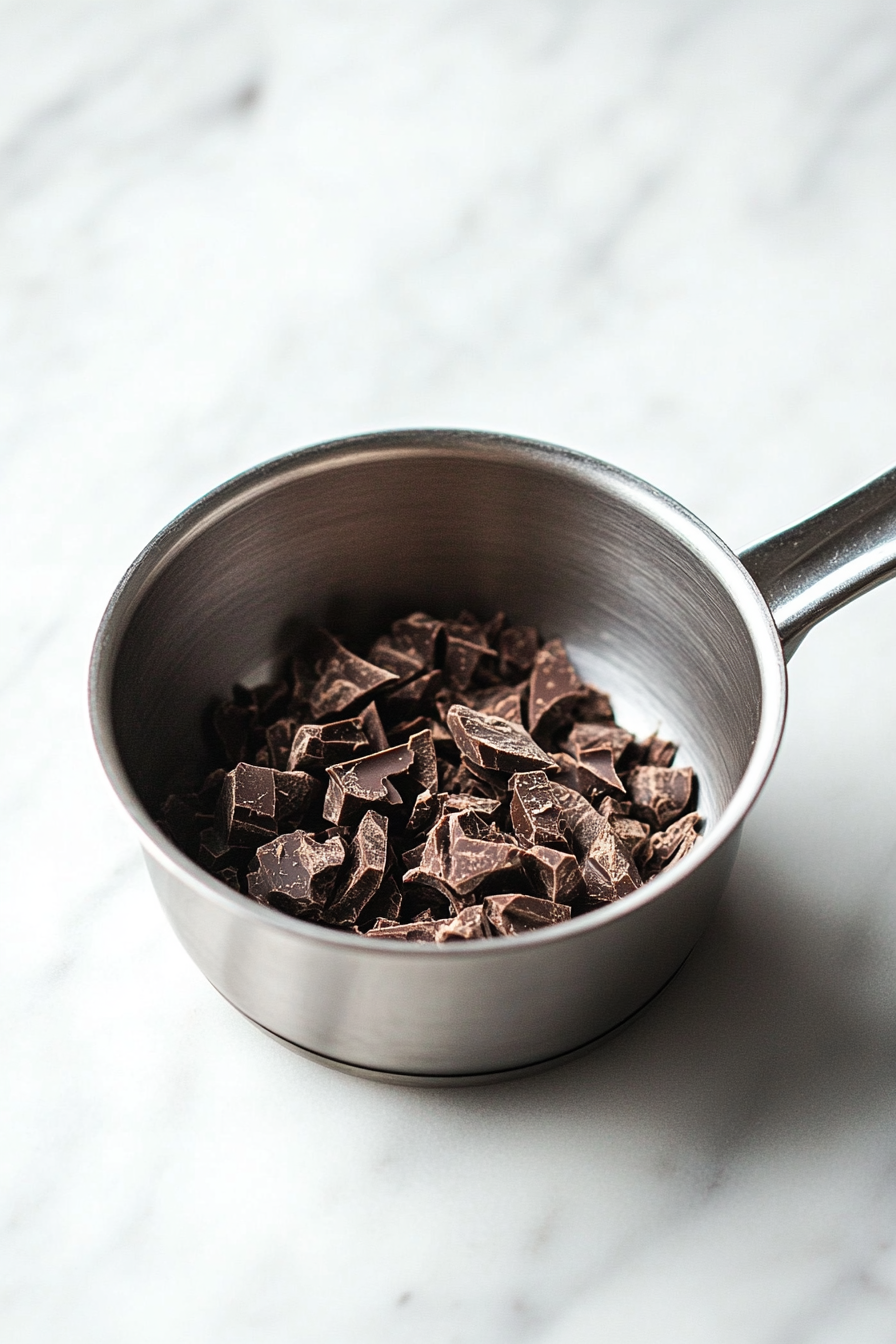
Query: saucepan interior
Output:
(652,607)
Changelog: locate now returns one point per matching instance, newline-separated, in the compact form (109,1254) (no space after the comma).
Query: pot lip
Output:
(233,493)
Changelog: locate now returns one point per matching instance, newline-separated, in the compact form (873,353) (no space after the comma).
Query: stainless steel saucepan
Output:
(653,607)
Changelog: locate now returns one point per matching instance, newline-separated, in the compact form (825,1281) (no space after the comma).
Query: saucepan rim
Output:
(234,493)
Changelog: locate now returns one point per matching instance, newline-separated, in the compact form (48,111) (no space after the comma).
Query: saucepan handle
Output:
(818,566)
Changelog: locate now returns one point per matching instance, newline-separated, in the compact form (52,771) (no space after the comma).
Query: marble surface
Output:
(658,231)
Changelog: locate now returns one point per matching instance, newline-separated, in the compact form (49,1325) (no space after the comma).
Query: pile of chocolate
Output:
(458,781)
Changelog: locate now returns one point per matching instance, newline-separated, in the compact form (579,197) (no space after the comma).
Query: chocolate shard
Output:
(568,772)
(614,807)
(247,808)
(425,811)
(296,873)
(366,866)
(506,702)
(515,913)
(279,738)
(230,877)
(234,724)
(356,785)
(372,726)
(465,648)
(670,845)
(517,647)
(470,923)
(585,736)
(424,769)
(491,782)
(554,690)
(296,792)
(398,735)
(425,931)
(419,634)
(385,903)
(459,854)
(534,812)
(495,744)
(608,870)
(345,681)
(659,794)
(581,821)
(597,771)
(385,652)
(215,854)
(633,834)
(594,706)
(656,751)
(414,698)
(317,745)
(209,792)
(554,873)
(262,757)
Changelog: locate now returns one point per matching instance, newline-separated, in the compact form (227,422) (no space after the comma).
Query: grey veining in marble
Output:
(660,232)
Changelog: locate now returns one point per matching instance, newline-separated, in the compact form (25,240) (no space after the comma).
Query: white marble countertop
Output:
(661,232)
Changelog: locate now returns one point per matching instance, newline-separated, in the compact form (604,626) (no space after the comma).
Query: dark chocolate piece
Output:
(495,744)
(345,681)
(534,812)
(517,646)
(425,931)
(404,663)
(279,739)
(414,698)
(656,751)
(418,633)
(596,766)
(296,872)
(554,690)
(180,823)
(372,726)
(247,808)
(470,923)
(659,795)
(670,845)
(295,792)
(459,855)
(608,869)
(516,913)
(356,785)
(385,903)
(215,854)
(584,736)
(633,834)
(505,702)
(465,648)
(581,820)
(554,873)
(367,864)
(234,724)
(594,706)
(317,745)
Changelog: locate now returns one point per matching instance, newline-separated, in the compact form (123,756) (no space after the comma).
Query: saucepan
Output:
(653,607)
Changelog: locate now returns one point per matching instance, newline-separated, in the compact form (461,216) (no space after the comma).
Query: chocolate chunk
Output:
(418,633)
(554,690)
(554,873)
(424,769)
(517,647)
(230,877)
(633,834)
(495,744)
(515,913)
(399,734)
(534,812)
(279,739)
(415,697)
(234,724)
(594,706)
(356,785)
(385,903)
(581,821)
(425,931)
(367,864)
(247,808)
(656,751)
(318,745)
(425,810)
(596,766)
(660,794)
(466,645)
(215,854)
(568,772)
(345,681)
(372,726)
(584,736)
(295,792)
(470,923)
(608,870)
(503,701)
(470,777)
(296,873)
(404,663)
(670,845)
(458,856)
(614,807)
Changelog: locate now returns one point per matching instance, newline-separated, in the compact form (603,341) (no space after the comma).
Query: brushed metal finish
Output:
(816,567)
(653,606)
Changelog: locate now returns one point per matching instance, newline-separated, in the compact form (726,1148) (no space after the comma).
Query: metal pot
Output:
(653,607)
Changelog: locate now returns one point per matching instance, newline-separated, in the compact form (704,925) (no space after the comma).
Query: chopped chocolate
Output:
(457,781)
(517,647)
(516,913)
(660,794)
(345,680)
(534,812)
(554,873)
(357,785)
(670,845)
(367,864)
(323,744)
(608,869)
(494,744)
(470,923)
(554,690)
(247,808)
(296,872)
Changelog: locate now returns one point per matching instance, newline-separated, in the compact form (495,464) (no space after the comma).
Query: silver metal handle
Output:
(818,566)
